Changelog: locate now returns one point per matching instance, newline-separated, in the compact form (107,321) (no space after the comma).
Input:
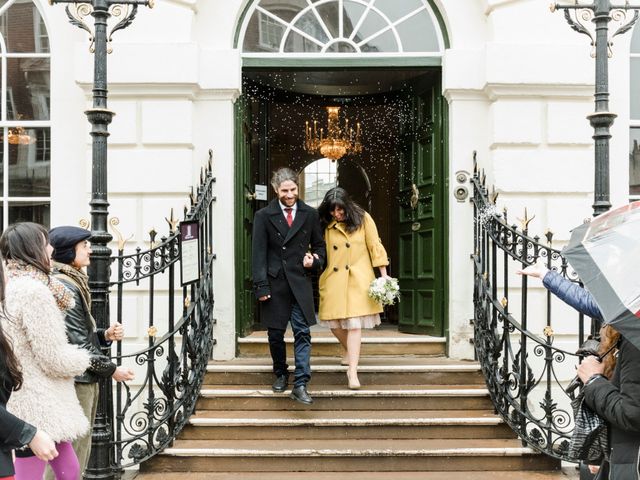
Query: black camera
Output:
(591,346)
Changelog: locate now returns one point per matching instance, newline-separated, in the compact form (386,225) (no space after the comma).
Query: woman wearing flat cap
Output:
(71,255)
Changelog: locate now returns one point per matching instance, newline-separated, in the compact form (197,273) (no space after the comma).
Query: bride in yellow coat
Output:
(353,250)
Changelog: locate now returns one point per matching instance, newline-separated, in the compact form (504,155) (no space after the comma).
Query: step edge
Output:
(329,422)
(310,452)
(367,340)
(232,393)
(230,368)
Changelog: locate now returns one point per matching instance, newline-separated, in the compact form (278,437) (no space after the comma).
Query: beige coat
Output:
(344,284)
(36,326)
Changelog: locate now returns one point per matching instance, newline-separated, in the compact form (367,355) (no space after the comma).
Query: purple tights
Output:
(65,466)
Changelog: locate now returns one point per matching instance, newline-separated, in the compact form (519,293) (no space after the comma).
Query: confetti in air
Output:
(384,108)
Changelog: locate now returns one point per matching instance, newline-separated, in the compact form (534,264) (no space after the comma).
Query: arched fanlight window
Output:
(25,127)
(634,130)
(357,27)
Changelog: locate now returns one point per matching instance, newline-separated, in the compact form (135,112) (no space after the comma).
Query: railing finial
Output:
(524,222)
(549,234)
(113,223)
(173,222)
(493,196)
(152,237)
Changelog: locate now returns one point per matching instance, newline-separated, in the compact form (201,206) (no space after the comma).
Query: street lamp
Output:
(600,13)
(101,465)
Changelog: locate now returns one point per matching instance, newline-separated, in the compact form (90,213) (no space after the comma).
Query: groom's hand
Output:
(307,261)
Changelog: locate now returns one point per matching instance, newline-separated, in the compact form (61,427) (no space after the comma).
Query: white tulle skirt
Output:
(365,321)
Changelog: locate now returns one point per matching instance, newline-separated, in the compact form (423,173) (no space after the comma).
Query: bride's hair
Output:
(338,197)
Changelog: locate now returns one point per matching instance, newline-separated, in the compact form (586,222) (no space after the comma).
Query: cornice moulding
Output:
(494,91)
(164,90)
(188,4)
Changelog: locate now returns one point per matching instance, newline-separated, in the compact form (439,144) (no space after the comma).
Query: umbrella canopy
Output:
(605,253)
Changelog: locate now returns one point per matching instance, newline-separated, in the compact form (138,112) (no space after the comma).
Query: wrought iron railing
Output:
(525,341)
(149,416)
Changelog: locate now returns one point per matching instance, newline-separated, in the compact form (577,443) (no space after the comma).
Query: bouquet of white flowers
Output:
(385,291)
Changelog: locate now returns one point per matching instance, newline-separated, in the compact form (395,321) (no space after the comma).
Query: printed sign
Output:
(190,248)
(261,192)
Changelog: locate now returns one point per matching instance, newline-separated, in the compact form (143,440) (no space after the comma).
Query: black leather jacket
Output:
(14,433)
(82,332)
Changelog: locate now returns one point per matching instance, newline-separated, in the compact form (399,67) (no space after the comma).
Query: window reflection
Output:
(23,29)
(25,148)
(396,10)
(634,107)
(28,88)
(370,28)
(634,161)
(317,179)
(36,211)
(29,162)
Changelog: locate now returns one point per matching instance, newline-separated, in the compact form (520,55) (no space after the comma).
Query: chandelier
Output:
(337,142)
(19,136)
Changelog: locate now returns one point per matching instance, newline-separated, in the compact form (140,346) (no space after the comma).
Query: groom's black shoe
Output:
(299,394)
(280,385)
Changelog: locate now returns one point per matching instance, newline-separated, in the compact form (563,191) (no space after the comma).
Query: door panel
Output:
(421,214)
(245,300)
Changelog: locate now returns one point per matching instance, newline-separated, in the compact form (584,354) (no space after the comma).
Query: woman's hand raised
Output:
(536,270)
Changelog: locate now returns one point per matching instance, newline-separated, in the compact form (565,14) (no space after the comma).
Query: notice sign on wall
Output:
(190,248)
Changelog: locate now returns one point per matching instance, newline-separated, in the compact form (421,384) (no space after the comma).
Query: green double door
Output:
(422,214)
(419,260)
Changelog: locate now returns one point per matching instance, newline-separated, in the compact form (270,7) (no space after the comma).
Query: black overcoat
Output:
(277,256)
(14,433)
(618,402)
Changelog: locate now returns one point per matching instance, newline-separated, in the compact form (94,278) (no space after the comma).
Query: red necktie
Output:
(289,211)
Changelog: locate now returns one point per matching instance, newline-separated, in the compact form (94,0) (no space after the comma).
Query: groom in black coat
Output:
(287,246)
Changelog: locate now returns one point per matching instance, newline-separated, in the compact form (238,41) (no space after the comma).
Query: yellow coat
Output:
(344,284)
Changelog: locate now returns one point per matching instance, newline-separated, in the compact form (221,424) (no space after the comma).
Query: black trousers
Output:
(302,348)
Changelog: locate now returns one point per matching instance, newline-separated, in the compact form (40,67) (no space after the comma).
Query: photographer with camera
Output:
(611,387)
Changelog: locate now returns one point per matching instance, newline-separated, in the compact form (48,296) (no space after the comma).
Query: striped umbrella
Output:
(605,253)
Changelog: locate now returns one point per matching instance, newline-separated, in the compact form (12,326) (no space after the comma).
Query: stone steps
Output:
(413,371)
(330,425)
(371,455)
(416,416)
(565,474)
(337,397)
(377,342)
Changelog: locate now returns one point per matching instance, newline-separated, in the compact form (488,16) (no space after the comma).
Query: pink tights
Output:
(65,466)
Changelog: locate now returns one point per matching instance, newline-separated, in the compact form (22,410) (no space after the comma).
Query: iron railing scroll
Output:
(149,416)
(524,367)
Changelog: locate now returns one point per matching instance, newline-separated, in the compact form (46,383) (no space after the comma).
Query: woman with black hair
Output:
(14,432)
(33,319)
(353,250)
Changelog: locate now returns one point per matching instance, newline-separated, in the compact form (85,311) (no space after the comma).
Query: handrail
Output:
(149,418)
(515,337)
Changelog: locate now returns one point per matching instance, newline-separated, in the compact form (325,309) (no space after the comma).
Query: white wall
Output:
(518,80)
(173,77)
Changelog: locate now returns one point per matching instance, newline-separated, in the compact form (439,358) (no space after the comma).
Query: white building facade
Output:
(516,84)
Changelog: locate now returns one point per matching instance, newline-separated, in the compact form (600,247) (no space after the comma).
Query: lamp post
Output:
(101,462)
(600,13)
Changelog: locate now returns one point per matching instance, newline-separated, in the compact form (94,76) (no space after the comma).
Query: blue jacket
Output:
(571,294)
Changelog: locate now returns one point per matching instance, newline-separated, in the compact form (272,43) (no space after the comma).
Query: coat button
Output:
(348,245)
(335,247)
(347,267)
(335,269)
